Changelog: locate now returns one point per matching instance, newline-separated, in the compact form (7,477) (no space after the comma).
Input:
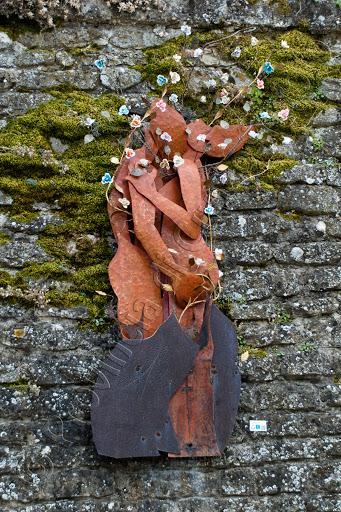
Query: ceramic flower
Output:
(211,83)
(209,210)
(106,178)
(253,134)
(247,106)
(88,138)
(225,78)
(223,178)
(161,105)
(284,44)
(165,136)
(88,121)
(199,261)
(130,153)
(123,110)
(100,63)
(161,80)
(201,137)
(124,202)
(177,57)
(198,52)
(164,164)
(144,162)
(173,98)
(186,29)
(178,160)
(219,254)
(223,145)
(254,41)
(236,52)
(260,84)
(268,68)
(264,115)
(175,77)
(135,122)
(283,114)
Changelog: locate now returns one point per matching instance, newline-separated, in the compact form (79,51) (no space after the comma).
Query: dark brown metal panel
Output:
(130,401)
(225,375)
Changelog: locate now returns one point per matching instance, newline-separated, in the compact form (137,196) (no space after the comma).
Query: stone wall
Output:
(282,280)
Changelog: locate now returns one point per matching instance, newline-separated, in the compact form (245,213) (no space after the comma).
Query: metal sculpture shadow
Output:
(172,384)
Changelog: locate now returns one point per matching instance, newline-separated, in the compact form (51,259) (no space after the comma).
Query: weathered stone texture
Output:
(281,287)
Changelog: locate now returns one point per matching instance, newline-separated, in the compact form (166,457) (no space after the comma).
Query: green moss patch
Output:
(33,172)
(295,83)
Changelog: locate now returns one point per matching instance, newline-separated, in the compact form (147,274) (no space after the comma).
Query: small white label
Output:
(258,426)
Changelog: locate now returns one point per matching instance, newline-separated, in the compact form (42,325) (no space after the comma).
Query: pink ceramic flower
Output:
(130,153)
(260,84)
(283,114)
(135,122)
(161,105)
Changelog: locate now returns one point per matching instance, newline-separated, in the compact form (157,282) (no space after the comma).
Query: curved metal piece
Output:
(129,413)
(173,123)
(225,376)
(223,142)
(135,283)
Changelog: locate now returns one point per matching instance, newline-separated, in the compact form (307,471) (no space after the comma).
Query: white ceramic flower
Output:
(198,52)
(211,83)
(219,254)
(178,160)
(201,137)
(165,136)
(144,162)
(124,202)
(186,29)
(175,77)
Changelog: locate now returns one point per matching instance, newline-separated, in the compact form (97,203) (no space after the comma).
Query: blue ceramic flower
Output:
(161,80)
(173,98)
(106,178)
(264,115)
(268,68)
(209,210)
(123,110)
(100,63)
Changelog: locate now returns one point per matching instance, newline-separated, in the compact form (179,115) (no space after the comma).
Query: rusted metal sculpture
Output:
(171,385)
